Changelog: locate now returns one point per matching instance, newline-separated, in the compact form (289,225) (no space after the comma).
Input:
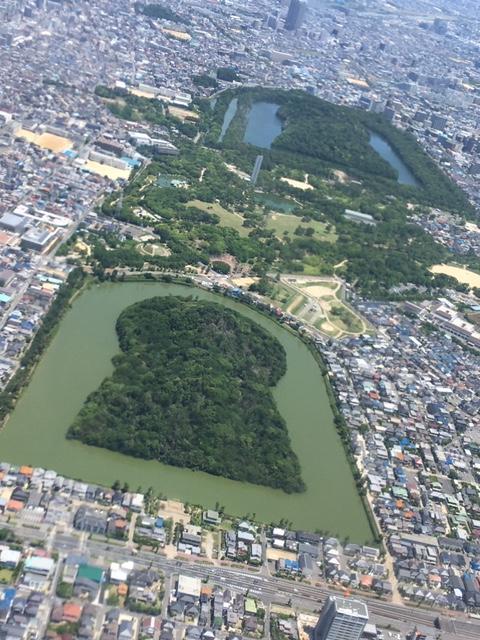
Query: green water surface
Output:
(78,359)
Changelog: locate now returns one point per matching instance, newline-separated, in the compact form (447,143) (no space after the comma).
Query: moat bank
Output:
(80,357)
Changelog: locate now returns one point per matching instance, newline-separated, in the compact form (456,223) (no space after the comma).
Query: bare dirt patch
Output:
(459,273)
(280,554)
(297,184)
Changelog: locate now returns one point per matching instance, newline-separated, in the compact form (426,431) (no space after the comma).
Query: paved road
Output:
(268,588)
(273,589)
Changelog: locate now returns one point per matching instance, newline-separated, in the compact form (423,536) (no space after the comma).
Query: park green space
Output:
(318,303)
(79,358)
(283,223)
(227,218)
(353,160)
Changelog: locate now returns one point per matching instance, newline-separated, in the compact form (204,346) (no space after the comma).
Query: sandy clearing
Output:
(173,506)
(243,282)
(357,82)
(459,273)
(107,171)
(279,554)
(209,544)
(50,141)
(305,623)
(7,238)
(341,176)
(470,226)
(328,326)
(182,114)
(234,169)
(320,292)
(57,144)
(178,35)
(141,94)
(327,305)
(304,186)
(83,247)
(174,510)
(30,136)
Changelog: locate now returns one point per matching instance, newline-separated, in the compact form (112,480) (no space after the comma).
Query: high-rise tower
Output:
(256,169)
(295,15)
(341,619)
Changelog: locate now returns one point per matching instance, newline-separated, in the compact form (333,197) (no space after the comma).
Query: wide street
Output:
(269,588)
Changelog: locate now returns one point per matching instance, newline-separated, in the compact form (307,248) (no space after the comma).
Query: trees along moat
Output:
(80,357)
(263,126)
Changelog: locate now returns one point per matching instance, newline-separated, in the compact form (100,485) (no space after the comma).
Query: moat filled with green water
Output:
(78,359)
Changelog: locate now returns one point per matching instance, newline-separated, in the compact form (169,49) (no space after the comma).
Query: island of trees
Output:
(192,387)
(160,12)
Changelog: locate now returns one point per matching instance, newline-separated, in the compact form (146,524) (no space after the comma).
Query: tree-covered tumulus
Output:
(192,387)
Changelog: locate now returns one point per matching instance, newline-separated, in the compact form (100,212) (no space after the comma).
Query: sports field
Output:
(50,141)
(107,171)
(463,275)
(318,302)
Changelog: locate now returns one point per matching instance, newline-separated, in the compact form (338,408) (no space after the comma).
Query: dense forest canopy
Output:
(192,388)
(160,12)
(318,134)
(218,212)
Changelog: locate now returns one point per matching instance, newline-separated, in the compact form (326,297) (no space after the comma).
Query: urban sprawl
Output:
(83,561)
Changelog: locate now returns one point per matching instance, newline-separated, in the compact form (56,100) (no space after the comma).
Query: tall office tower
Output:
(295,15)
(341,619)
(271,22)
(438,122)
(256,169)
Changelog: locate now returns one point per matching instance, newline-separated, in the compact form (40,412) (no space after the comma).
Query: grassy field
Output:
(284,296)
(227,218)
(313,283)
(298,304)
(281,222)
(342,317)
(317,302)
(6,576)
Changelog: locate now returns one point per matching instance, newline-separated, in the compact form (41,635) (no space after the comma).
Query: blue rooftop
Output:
(6,598)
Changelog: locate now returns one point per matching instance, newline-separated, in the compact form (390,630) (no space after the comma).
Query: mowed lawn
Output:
(6,576)
(227,218)
(281,222)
